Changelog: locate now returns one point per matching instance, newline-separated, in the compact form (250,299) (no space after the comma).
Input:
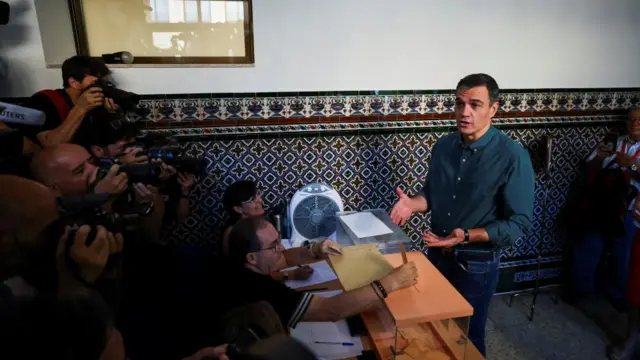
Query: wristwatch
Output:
(634,167)
(466,237)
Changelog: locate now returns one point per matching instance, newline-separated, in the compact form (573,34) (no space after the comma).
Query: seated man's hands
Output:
(624,160)
(325,248)
(131,156)
(113,183)
(302,273)
(401,277)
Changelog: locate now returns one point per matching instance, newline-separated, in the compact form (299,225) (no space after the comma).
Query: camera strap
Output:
(59,101)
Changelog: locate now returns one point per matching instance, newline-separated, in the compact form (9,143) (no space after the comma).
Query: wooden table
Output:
(421,318)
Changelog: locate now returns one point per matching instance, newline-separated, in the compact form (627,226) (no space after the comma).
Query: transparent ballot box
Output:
(386,244)
(427,321)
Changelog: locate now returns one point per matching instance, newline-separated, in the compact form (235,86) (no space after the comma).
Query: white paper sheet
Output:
(365,224)
(336,333)
(322,273)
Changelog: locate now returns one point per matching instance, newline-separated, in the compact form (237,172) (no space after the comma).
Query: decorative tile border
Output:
(202,107)
(348,127)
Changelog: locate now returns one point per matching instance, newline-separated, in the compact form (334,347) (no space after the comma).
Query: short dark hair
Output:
(238,193)
(78,67)
(475,80)
(244,239)
(105,134)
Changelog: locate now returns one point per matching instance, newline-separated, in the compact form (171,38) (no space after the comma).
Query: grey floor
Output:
(558,331)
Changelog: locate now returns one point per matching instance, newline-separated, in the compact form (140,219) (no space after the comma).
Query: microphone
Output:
(121,57)
(15,114)
(4,13)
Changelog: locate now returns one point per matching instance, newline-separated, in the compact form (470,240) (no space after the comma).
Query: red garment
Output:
(633,287)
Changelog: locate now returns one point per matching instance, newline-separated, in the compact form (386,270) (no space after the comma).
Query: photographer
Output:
(66,108)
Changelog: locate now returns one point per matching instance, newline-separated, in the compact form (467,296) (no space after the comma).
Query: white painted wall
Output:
(327,45)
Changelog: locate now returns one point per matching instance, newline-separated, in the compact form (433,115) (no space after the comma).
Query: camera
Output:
(145,173)
(165,148)
(78,210)
(125,99)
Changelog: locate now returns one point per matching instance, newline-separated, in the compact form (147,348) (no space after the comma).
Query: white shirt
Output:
(630,148)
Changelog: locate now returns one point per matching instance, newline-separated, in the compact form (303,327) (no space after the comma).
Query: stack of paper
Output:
(365,224)
(328,340)
(322,273)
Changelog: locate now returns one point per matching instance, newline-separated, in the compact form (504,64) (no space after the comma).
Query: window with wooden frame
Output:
(165,32)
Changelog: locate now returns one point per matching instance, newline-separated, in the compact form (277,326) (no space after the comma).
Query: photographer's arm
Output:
(63,133)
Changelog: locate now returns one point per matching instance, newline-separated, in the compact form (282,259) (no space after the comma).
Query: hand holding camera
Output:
(186,181)
(89,257)
(144,193)
(133,156)
(166,171)
(111,106)
(91,99)
(113,182)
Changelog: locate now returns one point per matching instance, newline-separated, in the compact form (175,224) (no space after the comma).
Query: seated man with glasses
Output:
(255,251)
(242,199)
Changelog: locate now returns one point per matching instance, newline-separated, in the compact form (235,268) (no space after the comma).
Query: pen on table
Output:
(334,343)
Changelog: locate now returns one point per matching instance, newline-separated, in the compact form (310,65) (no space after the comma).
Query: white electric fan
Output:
(312,212)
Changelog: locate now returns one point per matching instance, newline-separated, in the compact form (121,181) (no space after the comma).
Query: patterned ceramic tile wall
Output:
(365,145)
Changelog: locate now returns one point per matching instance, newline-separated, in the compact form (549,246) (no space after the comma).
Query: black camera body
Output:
(165,148)
(145,173)
(125,99)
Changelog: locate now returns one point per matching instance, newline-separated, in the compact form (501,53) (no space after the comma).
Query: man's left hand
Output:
(166,171)
(186,181)
(110,105)
(624,160)
(456,237)
(325,248)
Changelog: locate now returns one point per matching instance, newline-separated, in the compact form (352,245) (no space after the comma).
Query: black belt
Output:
(462,254)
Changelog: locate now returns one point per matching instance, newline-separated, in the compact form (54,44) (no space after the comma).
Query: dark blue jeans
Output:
(587,255)
(476,281)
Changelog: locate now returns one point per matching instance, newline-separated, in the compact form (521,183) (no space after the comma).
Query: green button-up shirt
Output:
(486,184)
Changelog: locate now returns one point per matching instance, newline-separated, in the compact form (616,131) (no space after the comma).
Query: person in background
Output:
(242,200)
(65,109)
(255,251)
(479,191)
(606,219)
(630,349)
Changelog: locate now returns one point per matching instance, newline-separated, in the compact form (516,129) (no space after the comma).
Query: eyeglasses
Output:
(275,249)
(254,198)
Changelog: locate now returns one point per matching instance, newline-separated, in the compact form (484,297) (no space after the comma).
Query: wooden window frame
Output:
(82,42)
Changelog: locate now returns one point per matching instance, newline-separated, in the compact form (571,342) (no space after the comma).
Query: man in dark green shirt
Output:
(479,190)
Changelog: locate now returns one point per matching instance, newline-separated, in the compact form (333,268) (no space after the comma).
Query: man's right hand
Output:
(603,151)
(401,277)
(113,183)
(91,260)
(403,209)
(90,99)
(131,156)
(302,273)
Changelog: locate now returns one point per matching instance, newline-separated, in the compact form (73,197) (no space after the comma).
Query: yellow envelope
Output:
(359,266)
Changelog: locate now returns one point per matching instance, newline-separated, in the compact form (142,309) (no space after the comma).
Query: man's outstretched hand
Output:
(403,209)
(456,237)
